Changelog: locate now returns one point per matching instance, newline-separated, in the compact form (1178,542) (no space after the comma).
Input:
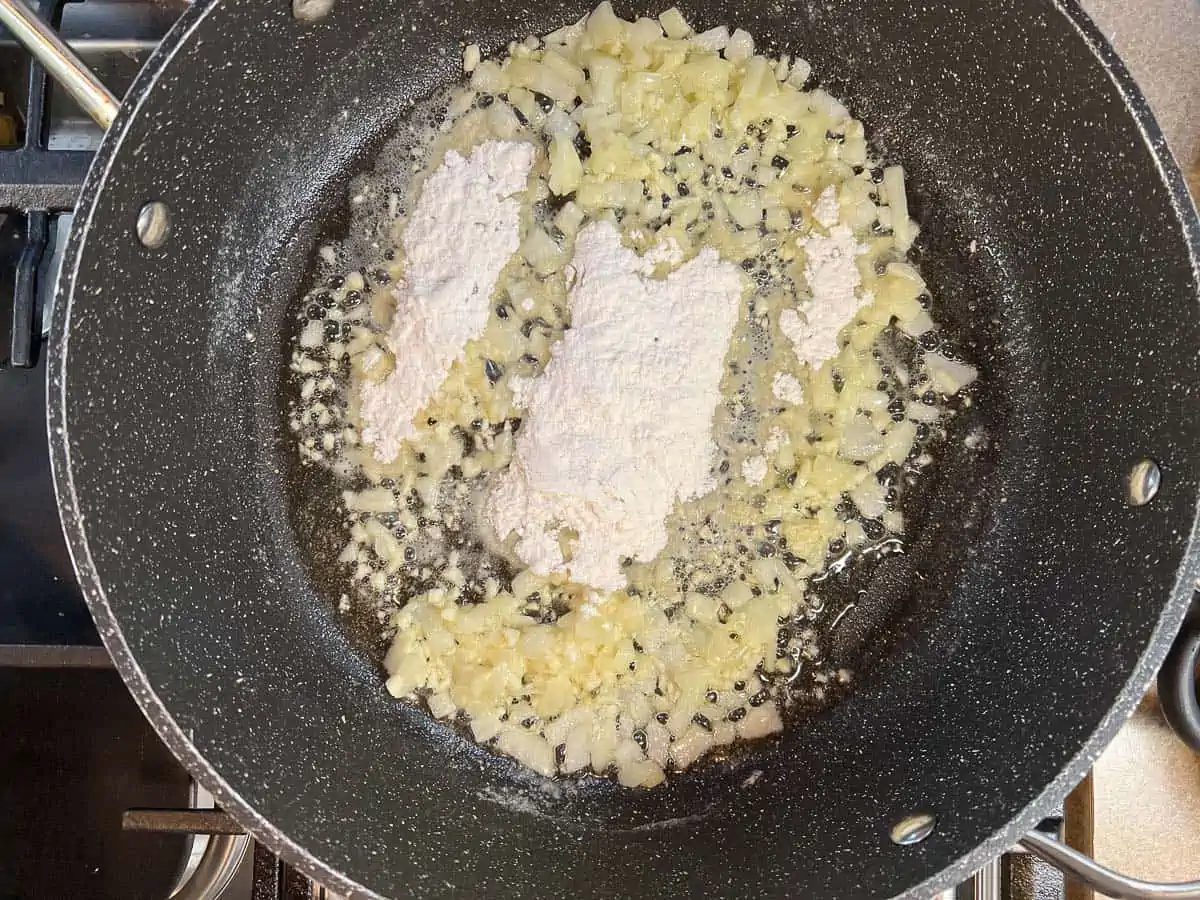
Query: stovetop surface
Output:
(45,145)
(40,601)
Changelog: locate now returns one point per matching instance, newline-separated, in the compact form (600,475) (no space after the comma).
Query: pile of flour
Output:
(834,280)
(460,236)
(619,426)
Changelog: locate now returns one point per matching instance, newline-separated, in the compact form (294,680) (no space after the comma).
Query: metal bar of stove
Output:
(37,225)
(89,46)
(180,821)
(31,27)
(988,882)
(35,102)
(42,179)
(54,656)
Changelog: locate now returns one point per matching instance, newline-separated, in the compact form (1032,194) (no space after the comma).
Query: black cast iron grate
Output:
(35,183)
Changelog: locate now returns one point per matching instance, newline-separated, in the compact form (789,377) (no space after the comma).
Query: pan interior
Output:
(990,651)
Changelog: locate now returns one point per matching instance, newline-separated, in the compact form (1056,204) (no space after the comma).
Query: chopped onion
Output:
(919,412)
(860,439)
(471,58)
(949,376)
(528,748)
(674,24)
(714,39)
(918,325)
(693,743)
(893,186)
(759,722)
(740,46)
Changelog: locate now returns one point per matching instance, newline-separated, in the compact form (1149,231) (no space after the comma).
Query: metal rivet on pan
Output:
(1145,478)
(913,829)
(311,10)
(154,224)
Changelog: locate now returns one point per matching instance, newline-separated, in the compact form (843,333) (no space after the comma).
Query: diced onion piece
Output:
(918,324)
(485,727)
(565,168)
(897,444)
(949,376)
(567,36)
(740,47)
(543,79)
(674,24)
(870,498)
(313,334)
(690,746)
(642,773)
(377,500)
(799,74)
(604,745)
(407,667)
(488,76)
(528,748)
(577,752)
(605,75)
(860,440)
(920,412)
(502,120)
(377,364)
(559,122)
(565,69)
(893,186)
(658,743)
(471,58)
(604,29)
(759,721)
(569,218)
(638,36)
(855,535)
(745,208)
(441,706)
(541,252)
(715,39)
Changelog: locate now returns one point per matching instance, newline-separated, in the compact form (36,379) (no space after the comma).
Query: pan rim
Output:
(180,743)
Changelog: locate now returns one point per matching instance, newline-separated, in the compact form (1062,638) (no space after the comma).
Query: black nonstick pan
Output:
(1049,567)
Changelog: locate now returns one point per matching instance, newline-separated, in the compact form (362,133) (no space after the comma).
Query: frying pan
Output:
(1049,566)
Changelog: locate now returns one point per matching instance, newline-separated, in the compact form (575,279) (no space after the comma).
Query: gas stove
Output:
(96,807)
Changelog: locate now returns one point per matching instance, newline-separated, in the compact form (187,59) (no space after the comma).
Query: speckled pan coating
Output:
(1026,621)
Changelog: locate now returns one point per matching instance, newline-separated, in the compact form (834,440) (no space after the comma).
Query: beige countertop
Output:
(1160,43)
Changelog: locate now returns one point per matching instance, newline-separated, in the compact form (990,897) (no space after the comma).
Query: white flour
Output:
(754,469)
(459,237)
(833,279)
(787,387)
(619,426)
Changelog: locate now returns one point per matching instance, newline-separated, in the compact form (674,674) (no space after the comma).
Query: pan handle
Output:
(1177,681)
(36,36)
(1100,878)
